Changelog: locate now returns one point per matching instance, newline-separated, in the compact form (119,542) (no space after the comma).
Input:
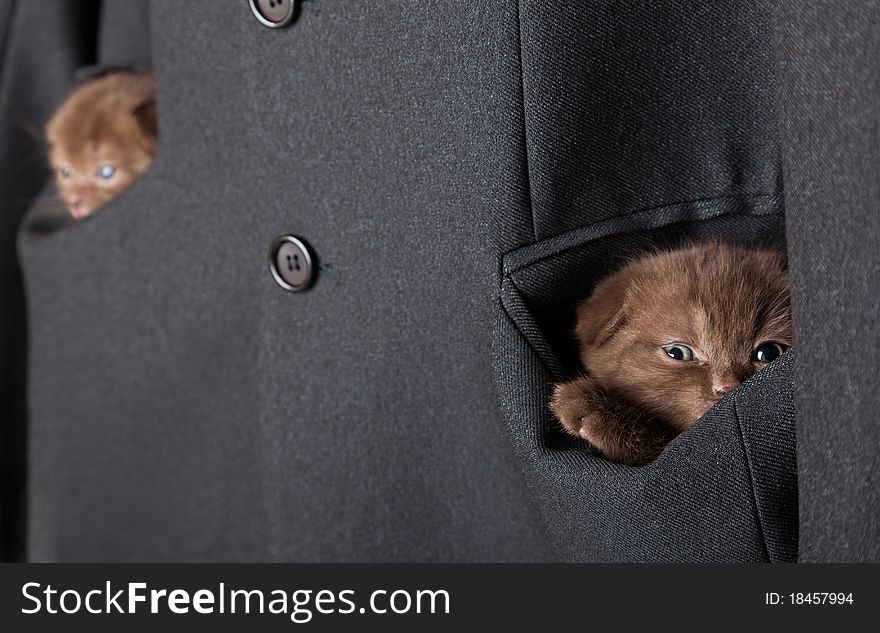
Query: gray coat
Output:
(463,172)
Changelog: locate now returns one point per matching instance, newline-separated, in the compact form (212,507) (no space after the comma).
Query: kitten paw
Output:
(575,406)
(621,432)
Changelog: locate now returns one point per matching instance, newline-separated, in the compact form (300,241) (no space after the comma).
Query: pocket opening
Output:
(543,283)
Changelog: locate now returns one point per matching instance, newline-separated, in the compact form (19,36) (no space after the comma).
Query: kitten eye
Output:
(65,172)
(767,352)
(679,352)
(106,171)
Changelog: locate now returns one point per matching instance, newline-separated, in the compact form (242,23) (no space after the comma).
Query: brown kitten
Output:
(102,138)
(663,339)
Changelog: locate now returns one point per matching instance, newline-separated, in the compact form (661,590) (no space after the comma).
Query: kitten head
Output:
(102,138)
(675,331)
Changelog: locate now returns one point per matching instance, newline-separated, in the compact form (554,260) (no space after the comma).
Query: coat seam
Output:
(752,487)
(7,35)
(525,127)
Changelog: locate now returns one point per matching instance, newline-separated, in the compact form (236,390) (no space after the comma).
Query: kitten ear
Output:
(602,315)
(145,115)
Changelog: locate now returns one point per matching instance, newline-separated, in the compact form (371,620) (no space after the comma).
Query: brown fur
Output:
(722,301)
(109,121)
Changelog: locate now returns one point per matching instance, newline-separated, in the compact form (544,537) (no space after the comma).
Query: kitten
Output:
(666,337)
(102,138)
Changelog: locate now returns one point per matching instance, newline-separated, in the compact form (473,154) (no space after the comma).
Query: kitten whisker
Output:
(23,123)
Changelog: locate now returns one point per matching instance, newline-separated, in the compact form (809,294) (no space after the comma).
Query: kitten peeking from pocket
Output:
(102,138)
(666,337)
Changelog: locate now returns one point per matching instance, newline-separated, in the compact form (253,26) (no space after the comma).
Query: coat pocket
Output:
(723,491)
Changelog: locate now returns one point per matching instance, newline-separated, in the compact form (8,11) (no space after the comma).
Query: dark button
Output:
(291,263)
(274,13)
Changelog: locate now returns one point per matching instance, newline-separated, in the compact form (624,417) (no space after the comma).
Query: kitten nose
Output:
(76,205)
(722,386)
